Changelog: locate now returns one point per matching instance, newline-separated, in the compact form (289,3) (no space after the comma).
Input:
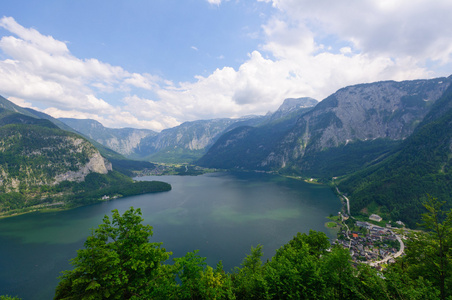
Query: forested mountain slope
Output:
(40,164)
(422,166)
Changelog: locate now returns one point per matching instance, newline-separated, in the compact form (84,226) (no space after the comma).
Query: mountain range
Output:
(181,144)
(373,117)
(385,144)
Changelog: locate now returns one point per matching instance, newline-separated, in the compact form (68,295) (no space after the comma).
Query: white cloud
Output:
(309,48)
(21,102)
(216,2)
(331,44)
(43,71)
(144,81)
(391,27)
(45,43)
(304,55)
(42,68)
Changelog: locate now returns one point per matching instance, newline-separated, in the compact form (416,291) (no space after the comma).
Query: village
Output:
(369,243)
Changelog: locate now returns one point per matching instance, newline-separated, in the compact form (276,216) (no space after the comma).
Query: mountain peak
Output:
(291,104)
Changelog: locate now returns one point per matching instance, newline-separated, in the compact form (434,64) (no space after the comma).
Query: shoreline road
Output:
(346,199)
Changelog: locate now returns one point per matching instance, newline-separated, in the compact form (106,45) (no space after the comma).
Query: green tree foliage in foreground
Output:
(119,262)
(430,253)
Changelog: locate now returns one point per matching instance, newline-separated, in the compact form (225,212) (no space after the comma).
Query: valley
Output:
(365,136)
(250,181)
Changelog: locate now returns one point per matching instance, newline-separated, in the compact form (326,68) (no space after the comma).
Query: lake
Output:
(221,214)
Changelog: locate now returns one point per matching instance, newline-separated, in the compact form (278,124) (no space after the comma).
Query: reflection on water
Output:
(220,214)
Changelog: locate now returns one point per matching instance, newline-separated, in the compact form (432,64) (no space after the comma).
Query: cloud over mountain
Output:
(305,48)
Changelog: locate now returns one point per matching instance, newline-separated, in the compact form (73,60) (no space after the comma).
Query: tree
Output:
(249,282)
(199,281)
(295,271)
(429,253)
(118,262)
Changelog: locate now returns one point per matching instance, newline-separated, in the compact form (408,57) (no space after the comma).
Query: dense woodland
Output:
(73,194)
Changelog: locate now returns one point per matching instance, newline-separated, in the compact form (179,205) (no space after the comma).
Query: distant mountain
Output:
(292,105)
(422,165)
(184,143)
(356,126)
(188,141)
(121,140)
(191,140)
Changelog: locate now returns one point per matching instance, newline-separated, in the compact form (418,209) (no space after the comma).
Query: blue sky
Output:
(155,64)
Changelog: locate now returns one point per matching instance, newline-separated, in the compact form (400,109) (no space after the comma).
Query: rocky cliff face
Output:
(183,143)
(189,135)
(246,147)
(96,164)
(121,140)
(32,155)
(292,104)
(421,166)
(389,110)
(372,116)
(188,141)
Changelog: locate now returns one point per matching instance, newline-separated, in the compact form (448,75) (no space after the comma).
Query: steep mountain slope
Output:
(37,155)
(121,140)
(422,166)
(191,140)
(372,117)
(8,105)
(245,147)
(183,143)
(42,165)
(11,117)
(188,141)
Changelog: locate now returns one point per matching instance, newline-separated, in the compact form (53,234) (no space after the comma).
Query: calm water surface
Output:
(220,214)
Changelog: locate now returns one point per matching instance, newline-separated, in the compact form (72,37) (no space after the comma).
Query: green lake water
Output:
(221,214)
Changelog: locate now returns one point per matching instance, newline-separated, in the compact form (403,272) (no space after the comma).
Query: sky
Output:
(155,64)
